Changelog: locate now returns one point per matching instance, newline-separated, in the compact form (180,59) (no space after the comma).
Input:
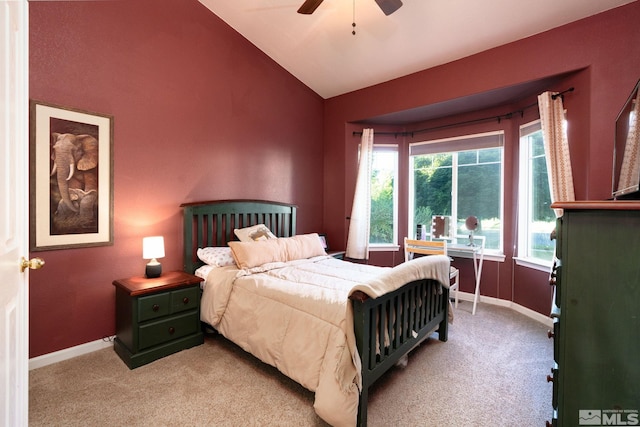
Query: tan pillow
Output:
(254,254)
(254,233)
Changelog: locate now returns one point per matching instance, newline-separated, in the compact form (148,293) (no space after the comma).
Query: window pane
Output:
(479,195)
(432,186)
(468,158)
(490,155)
(477,177)
(383,184)
(538,221)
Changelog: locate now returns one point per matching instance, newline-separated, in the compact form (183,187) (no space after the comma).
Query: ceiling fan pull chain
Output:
(353,24)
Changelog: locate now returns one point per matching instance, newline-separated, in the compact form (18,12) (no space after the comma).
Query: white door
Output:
(14,212)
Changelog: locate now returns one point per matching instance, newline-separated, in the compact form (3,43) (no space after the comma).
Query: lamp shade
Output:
(153,247)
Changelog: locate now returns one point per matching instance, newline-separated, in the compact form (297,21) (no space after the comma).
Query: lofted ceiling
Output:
(321,51)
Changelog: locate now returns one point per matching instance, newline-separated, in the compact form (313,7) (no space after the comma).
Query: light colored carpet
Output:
(491,372)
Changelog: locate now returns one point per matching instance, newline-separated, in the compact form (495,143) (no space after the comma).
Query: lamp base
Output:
(153,270)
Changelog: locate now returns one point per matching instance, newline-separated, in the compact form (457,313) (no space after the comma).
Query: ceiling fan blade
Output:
(309,6)
(389,6)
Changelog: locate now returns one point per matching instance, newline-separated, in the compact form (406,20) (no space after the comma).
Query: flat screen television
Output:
(626,150)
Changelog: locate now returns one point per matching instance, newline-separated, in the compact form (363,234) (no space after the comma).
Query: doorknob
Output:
(33,263)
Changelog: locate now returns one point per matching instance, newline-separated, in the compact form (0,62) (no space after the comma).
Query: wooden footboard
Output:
(388,327)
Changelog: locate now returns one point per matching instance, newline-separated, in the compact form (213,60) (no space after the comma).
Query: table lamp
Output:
(152,248)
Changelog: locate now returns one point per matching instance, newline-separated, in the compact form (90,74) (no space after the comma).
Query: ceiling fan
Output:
(387,6)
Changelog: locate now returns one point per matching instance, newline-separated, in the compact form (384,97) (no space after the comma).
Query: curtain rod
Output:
(482,120)
(561,94)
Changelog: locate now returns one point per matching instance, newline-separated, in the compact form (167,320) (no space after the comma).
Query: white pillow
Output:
(254,233)
(218,256)
(203,272)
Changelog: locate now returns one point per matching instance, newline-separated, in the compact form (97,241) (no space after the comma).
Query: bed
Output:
(373,317)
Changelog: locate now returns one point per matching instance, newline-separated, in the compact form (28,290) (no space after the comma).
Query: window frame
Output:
(525,189)
(455,145)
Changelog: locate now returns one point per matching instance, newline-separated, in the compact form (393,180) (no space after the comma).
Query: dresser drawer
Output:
(556,339)
(185,299)
(555,279)
(153,306)
(555,375)
(559,242)
(154,333)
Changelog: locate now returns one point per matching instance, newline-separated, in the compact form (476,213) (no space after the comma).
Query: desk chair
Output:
(432,247)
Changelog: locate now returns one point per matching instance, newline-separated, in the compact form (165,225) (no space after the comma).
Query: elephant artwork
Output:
(74,184)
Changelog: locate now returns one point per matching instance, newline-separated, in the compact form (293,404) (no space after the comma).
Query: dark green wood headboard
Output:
(212,223)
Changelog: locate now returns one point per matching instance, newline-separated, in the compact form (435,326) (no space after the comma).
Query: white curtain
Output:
(358,237)
(556,147)
(631,159)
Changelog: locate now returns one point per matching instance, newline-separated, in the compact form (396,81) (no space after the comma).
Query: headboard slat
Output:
(215,220)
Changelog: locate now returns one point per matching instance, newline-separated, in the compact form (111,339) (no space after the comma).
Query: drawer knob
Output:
(549,424)
(550,334)
(155,307)
(185,300)
(549,378)
(172,330)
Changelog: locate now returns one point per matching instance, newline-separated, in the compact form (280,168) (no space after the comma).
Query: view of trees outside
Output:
(542,220)
(478,176)
(382,196)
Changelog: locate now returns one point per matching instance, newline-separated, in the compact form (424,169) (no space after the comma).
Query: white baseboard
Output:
(534,315)
(69,353)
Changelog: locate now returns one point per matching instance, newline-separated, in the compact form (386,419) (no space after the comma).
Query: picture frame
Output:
(71,178)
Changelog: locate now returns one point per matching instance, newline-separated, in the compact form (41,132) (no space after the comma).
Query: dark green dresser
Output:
(596,311)
(156,317)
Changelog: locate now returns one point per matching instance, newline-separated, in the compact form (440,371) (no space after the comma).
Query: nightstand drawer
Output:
(153,306)
(155,333)
(185,299)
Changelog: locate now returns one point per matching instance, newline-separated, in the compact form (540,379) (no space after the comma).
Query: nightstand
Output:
(156,317)
(336,254)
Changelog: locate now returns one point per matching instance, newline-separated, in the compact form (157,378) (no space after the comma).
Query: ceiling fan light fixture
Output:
(389,6)
(309,6)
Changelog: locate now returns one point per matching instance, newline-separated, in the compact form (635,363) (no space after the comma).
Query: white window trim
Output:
(462,145)
(524,190)
(534,263)
(384,247)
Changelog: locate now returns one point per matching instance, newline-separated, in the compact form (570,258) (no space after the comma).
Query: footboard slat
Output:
(372,339)
(397,325)
(382,322)
(389,326)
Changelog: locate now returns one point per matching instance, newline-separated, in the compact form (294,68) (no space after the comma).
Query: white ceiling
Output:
(320,50)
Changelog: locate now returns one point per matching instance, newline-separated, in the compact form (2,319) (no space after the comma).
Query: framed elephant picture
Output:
(71,178)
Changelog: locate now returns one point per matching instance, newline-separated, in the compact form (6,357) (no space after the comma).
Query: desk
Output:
(477,252)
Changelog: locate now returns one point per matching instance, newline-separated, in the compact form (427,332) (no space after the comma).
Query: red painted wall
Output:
(200,114)
(603,54)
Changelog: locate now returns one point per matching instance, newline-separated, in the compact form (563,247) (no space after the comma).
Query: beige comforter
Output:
(296,316)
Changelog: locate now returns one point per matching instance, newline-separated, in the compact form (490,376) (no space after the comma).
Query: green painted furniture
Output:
(156,317)
(596,313)
(424,303)
(336,254)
